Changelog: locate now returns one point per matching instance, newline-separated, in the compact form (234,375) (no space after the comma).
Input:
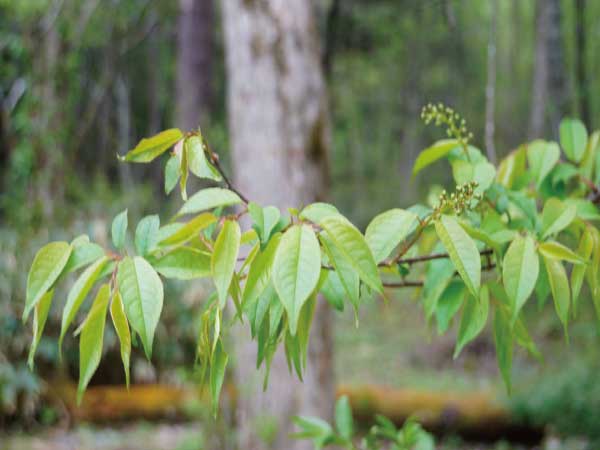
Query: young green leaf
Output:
(432,154)
(555,250)
(172,173)
(354,249)
(119,320)
(438,275)
(224,258)
(584,250)
(512,167)
(142,294)
(78,293)
(462,251)
(40,314)
(474,317)
(82,255)
(343,418)
(48,263)
(183,263)
(197,161)
(149,148)
(296,270)
(217,374)
(573,138)
(387,230)
(556,216)
(146,234)
(542,156)
(90,343)
(259,274)
(187,231)
(559,285)
(119,230)
(316,212)
(503,338)
(449,304)
(264,220)
(209,198)
(520,269)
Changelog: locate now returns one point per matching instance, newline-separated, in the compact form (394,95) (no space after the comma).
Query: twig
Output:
(215,160)
(425,258)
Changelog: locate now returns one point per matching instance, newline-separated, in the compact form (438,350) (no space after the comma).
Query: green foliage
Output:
(480,245)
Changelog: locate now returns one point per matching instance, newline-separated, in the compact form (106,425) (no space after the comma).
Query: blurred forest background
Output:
(83,80)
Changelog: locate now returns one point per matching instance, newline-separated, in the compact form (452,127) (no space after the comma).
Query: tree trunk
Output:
(583,87)
(194,62)
(490,89)
(279,128)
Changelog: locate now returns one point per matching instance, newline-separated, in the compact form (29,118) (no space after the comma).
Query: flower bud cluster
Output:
(456,126)
(459,200)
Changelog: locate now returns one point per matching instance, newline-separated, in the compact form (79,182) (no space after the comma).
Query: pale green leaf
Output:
(555,250)
(188,230)
(183,263)
(224,258)
(503,338)
(259,274)
(48,264)
(316,212)
(40,314)
(264,220)
(520,269)
(584,251)
(333,289)
(149,148)
(90,342)
(559,285)
(119,230)
(82,255)
(142,294)
(556,216)
(172,173)
(209,198)
(183,169)
(217,374)
(448,305)
(462,251)
(431,154)
(197,160)
(573,138)
(438,275)
(387,230)
(119,320)
(343,418)
(296,270)
(473,319)
(542,156)
(146,234)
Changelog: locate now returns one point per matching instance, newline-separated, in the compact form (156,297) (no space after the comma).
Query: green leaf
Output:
(462,251)
(438,275)
(512,168)
(78,293)
(554,250)
(209,198)
(573,138)
(503,338)
(183,263)
(520,270)
(259,274)
(584,250)
(172,173)
(473,319)
(47,266)
(431,154)
(481,172)
(449,304)
(217,375)
(40,314)
(146,234)
(197,161)
(119,320)
(264,220)
(187,231)
(149,148)
(354,249)
(296,270)
(119,230)
(556,216)
(82,255)
(333,290)
(90,343)
(316,212)
(343,418)
(542,156)
(142,294)
(387,230)
(559,285)
(224,258)
(183,169)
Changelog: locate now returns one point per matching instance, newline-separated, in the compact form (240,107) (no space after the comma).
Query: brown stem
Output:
(215,160)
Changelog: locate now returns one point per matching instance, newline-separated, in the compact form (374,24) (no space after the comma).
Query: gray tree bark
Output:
(279,128)
(490,89)
(583,85)
(195,44)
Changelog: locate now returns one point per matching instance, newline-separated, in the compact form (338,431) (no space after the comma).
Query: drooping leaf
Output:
(343,418)
(438,275)
(149,148)
(119,320)
(40,314)
(333,290)
(183,263)
(431,154)
(520,269)
(448,305)
(78,293)
(224,258)
(48,263)
(387,230)
(354,249)
(217,374)
(503,338)
(187,231)
(473,319)
(259,274)
(584,251)
(556,216)
(542,156)
(573,138)
(296,270)
(142,294)
(462,251)
(119,230)
(555,250)
(197,160)
(209,198)
(92,336)
(172,173)
(146,234)
(559,285)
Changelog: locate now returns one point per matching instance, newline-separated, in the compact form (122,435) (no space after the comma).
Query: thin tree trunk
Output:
(279,128)
(195,44)
(557,82)
(539,92)
(490,89)
(583,87)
